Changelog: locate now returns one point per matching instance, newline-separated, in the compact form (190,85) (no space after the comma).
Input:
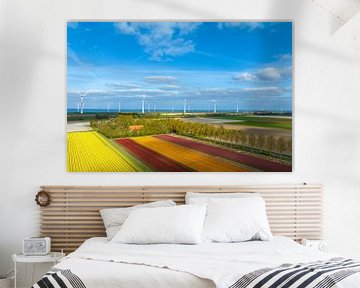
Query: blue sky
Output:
(249,63)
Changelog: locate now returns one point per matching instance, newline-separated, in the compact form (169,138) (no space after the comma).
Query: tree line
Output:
(119,128)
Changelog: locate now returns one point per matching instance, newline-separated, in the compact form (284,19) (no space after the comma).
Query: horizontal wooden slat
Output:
(49,232)
(74,227)
(99,199)
(73,216)
(94,209)
(93,219)
(188,188)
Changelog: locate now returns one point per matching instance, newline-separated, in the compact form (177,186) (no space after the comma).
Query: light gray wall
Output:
(32,115)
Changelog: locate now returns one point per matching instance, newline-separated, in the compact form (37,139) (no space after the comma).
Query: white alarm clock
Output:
(36,246)
(320,245)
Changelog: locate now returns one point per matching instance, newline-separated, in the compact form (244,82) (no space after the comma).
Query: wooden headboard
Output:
(73,215)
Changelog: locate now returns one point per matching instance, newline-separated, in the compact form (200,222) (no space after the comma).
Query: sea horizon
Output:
(95,110)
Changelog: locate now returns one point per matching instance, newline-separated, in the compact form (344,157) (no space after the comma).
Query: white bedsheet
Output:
(102,264)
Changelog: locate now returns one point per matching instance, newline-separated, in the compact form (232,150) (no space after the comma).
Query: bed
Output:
(294,211)
(99,263)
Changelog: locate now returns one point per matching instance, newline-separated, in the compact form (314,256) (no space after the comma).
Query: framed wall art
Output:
(179,96)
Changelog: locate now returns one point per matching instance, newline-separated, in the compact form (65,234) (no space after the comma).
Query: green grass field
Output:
(267,122)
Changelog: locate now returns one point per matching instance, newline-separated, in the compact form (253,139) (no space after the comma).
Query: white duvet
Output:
(100,263)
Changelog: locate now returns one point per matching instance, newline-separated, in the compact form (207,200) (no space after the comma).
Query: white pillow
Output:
(113,218)
(173,225)
(236,220)
(204,198)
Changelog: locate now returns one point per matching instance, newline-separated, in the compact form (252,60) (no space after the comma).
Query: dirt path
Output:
(78,126)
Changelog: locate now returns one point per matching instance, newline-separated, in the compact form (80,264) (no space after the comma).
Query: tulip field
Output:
(191,158)
(156,161)
(259,163)
(90,151)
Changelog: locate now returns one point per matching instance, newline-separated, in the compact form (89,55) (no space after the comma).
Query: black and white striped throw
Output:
(59,278)
(320,274)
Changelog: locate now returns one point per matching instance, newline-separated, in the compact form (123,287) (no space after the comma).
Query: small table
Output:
(53,257)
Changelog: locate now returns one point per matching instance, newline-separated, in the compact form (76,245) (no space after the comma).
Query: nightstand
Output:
(52,257)
(320,245)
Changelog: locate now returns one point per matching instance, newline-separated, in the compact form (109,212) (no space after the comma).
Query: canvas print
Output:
(179,96)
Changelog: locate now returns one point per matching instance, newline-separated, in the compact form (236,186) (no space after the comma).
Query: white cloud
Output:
(268,74)
(170,87)
(73,25)
(269,90)
(160,79)
(283,57)
(126,90)
(161,40)
(250,26)
(202,96)
(234,92)
(127,28)
(87,93)
(123,85)
(246,76)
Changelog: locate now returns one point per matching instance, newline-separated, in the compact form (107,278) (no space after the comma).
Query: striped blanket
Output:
(59,278)
(320,274)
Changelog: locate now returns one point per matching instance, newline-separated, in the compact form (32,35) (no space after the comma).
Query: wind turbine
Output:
(184,105)
(119,107)
(237,106)
(81,101)
(214,101)
(143,104)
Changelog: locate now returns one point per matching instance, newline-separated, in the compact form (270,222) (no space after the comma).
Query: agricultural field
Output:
(258,121)
(277,126)
(245,159)
(192,158)
(138,143)
(91,152)
(156,161)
